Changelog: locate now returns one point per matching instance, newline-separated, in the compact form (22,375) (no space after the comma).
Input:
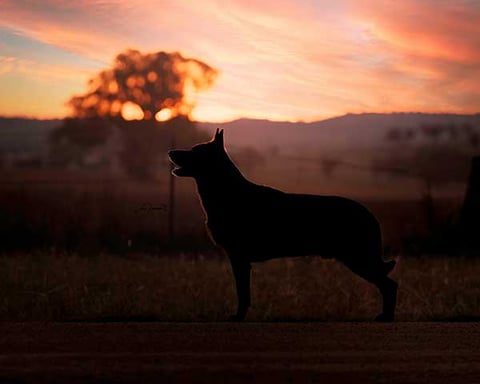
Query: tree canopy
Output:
(142,86)
(148,87)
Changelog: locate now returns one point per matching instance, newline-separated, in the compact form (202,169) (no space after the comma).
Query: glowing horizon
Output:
(278,60)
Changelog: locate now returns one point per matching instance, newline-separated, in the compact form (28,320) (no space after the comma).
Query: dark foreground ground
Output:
(233,353)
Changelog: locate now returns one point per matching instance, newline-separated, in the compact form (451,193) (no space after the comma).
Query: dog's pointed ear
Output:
(219,137)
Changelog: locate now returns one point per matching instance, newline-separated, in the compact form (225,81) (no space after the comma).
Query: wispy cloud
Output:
(432,47)
(14,65)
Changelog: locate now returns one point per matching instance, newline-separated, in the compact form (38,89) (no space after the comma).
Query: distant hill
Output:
(356,154)
(355,132)
(25,136)
(351,131)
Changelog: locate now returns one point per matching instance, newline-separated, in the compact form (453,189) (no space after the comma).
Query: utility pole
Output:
(171,189)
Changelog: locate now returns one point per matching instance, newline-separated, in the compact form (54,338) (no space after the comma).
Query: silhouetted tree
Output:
(152,81)
(439,157)
(147,98)
(75,137)
(474,139)
(329,166)
(432,131)
(393,134)
(470,213)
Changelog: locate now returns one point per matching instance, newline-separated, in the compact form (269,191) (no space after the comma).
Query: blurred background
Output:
(373,100)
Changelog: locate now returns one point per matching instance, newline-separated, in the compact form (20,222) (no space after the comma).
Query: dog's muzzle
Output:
(181,160)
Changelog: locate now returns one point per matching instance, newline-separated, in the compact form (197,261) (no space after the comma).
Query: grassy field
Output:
(90,214)
(46,286)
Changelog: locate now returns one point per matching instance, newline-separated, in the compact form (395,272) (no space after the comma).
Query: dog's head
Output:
(200,159)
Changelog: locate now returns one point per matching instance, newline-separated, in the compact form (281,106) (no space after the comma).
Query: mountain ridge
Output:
(352,130)
(366,130)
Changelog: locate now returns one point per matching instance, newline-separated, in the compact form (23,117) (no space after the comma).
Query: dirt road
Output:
(233,353)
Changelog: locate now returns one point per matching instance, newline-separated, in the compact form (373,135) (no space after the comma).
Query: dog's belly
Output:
(302,244)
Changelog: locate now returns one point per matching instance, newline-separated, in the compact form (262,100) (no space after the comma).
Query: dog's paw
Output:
(384,318)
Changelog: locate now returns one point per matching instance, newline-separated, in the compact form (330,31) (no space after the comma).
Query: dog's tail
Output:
(388,266)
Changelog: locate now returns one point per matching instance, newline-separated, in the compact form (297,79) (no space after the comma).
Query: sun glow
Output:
(164,114)
(132,111)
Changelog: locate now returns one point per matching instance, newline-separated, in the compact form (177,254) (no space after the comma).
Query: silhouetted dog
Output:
(255,223)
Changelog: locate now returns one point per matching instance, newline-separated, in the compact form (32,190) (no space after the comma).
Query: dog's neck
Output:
(219,186)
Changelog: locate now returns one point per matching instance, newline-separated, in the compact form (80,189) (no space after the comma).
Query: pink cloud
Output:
(435,29)
(433,47)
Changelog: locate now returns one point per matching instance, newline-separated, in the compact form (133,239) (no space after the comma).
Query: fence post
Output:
(470,213)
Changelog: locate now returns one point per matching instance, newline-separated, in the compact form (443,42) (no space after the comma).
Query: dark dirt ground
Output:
(234,353)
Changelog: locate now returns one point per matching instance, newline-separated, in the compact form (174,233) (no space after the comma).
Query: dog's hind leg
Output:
(377,275)
(241,272)
(388,289)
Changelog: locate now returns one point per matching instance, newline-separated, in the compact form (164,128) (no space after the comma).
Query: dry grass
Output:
(48,286)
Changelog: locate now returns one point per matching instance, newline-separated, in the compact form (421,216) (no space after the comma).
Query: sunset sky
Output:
(278,59)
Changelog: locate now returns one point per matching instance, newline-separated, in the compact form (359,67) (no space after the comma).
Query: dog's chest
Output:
(228,224)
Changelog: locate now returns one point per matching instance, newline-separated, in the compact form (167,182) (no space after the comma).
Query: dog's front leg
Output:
(241,272)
